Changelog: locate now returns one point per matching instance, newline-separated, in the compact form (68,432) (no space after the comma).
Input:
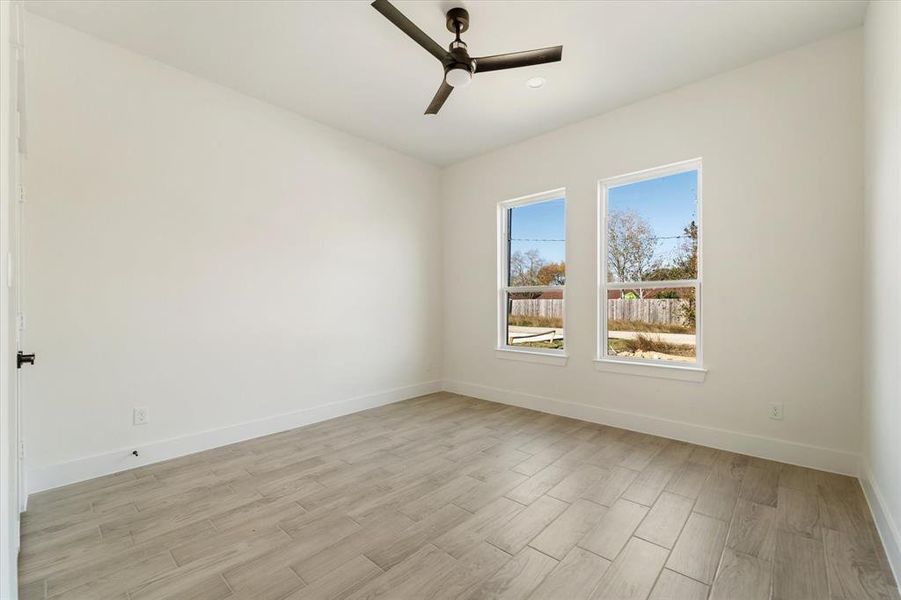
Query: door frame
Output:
(12,492)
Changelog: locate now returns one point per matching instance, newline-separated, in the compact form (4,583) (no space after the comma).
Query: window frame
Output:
(655,368)
(504,350)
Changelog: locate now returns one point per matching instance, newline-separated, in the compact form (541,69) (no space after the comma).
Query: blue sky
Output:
(667,203)
(541,221)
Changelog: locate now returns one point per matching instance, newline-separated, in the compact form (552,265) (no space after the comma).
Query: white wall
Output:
(882,285)
(781,141)
(209,257)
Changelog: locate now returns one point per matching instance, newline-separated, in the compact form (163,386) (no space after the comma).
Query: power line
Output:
(662,237)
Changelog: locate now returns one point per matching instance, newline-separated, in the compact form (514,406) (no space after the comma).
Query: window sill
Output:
(624,367)
(533,356)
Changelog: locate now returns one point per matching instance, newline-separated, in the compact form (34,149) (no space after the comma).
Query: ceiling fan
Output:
(459,67)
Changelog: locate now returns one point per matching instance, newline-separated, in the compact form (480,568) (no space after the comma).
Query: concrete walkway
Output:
(684,339)
(521,335)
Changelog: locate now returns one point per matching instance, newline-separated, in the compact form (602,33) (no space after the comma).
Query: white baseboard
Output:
(816,457)
(56,475)
(885,523)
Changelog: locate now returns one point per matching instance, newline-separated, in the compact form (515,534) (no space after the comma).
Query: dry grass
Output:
(618,325)
(524,321)
(644,343)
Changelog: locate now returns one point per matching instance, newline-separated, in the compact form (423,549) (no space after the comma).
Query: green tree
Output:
(552,274)
(684,266)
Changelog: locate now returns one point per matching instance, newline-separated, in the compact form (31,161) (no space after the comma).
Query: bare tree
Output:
(525,266)
(631,247)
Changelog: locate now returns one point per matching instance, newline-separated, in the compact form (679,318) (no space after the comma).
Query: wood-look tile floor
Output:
(450,497)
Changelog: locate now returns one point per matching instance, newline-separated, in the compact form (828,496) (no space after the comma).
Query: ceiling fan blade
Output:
(514,60)
(407,26)
(438,101)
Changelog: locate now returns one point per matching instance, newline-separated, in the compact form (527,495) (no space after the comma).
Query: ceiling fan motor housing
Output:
(459,59)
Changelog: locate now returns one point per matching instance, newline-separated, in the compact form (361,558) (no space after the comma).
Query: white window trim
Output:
(504,350)
(546,356)
(637,366)
(660,370)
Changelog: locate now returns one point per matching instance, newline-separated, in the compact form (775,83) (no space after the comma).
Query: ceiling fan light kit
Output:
(457,77)
(459,67)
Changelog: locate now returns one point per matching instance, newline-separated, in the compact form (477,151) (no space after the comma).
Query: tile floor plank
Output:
(698,549)
(559,537)
(579,480)
(337,585)
(854,571)
(519,577)
(608,490)
(753,530)
(800,568)
(576,576)
(521,529)
(633,574)
(465,536)
(673,586)
(664,522)
(742,576)
(798,512)
(614,529)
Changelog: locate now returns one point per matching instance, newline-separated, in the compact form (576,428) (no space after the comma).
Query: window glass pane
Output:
(656,324)
(537,244)
(652,232)
(535,319)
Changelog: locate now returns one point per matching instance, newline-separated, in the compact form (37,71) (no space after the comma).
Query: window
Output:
(649,280)
(532,273)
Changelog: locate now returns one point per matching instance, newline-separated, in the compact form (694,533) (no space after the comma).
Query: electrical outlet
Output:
(776,411)
(139,417)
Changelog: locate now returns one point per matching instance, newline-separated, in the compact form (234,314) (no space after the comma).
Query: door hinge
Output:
(20,321)
(21,449)
(21,193)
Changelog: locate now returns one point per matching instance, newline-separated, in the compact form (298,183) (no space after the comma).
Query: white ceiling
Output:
(343,64)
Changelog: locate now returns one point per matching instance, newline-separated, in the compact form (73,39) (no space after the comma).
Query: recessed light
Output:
(535,82)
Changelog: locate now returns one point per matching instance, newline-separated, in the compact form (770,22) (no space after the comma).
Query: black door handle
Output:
(22,358)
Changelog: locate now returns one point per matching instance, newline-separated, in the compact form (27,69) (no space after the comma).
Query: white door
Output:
(23,357)
(12,140)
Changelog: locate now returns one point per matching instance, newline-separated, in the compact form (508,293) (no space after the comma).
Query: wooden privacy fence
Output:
(663,311)
(551,308)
